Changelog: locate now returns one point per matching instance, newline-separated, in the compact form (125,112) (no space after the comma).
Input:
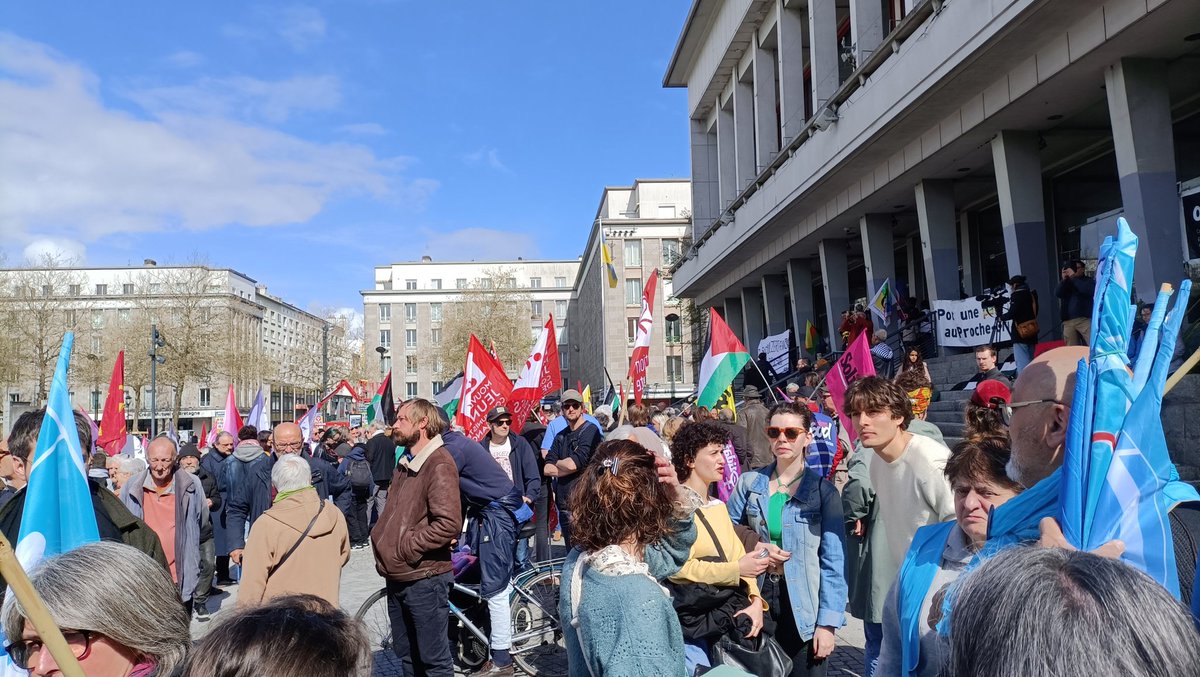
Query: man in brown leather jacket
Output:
(412,542)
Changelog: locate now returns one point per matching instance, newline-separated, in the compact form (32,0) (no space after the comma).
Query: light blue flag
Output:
(58,505)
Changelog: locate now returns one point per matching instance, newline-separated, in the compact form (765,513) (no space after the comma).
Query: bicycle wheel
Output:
(374,616)
(538,647)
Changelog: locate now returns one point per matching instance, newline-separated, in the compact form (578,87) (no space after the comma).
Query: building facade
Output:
(943,145)
(410,304)
(220,326)
(645,226)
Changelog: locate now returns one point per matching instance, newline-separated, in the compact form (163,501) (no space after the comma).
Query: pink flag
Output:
(854,364)
(233,420)
(733,470)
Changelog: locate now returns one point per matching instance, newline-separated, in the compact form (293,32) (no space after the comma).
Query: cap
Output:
(988,392)
(751,393)
(497,412)
(571,395)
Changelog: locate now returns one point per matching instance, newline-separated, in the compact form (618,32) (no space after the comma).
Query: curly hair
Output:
(618,497)
(873,394)
(984,423)
(688,442)
(912,379)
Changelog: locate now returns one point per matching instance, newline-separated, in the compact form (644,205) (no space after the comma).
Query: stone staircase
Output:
(1180,412)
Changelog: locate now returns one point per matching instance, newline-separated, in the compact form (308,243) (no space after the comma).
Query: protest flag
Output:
(203,439)
(641,344)
(113,429)
(606,257)
(540,375)
(723,360)
(382,406)
(726,401)
(233,419)
(854,364)
(259,417)
(587,398)
(881,303)
(811,338)
(447,397)
(485,385)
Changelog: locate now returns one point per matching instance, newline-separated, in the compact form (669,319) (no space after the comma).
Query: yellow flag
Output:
(587,398)
(606,256)
(726,400)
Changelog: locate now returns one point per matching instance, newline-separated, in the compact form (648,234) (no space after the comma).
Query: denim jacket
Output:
(813,532)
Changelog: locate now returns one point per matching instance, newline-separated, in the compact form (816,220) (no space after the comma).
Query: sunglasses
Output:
(503,421)
(1006,411)
(792,434)
(572,405)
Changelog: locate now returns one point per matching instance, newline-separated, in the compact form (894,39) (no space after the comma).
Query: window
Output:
(70,317)
(435,284)
(410,312)
(630,328)
(47,290)
(560,309)
(385,338)
(674,368)
(155,288)
(536,307)
(410,338)
(123,314)
(385,312)
(101,290)
(97,319)
(560,282)
(95,400)
(535,283)
(410,390)
(674,331)
(460,283)
(485,283)
(435,312)
(563,359)
(435,336)
(126,289)
(437,366)
(205,397)
(633,291)
(437,386)
(633,252)
(95,345)
(73,290)
(410,364)
(385,364)
(672,250)
(410,284)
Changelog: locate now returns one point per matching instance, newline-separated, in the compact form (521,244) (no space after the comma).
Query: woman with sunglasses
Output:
(795,508)
(118,610)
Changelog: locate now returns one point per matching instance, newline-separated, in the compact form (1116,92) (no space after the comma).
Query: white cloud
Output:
(301,26)
(74,168)
(478,244)
(243,97)
(185,59)
(364,129)
(486,156)
(57,249)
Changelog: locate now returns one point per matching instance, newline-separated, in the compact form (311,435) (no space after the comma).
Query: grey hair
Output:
(621,432)
(224,433)
(1040,611)
(131,465)
(291,472)
(725,414)
(115,590)
(121,458)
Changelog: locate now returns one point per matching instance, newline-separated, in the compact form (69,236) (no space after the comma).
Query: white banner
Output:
(776,348)
(966,324)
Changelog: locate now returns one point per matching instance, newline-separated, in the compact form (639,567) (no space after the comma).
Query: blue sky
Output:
(305,144)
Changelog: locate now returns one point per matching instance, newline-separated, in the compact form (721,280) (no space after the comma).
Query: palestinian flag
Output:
(724,360)
(447,398)
(382,406)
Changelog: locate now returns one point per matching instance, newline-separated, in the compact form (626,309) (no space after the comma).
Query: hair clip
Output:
(610,464)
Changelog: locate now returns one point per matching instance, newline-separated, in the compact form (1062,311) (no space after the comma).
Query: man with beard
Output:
(189,460)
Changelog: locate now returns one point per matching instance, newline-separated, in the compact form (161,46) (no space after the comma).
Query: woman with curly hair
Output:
(631,530)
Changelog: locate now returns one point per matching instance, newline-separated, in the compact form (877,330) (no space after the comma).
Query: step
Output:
(952,429)
(947,405)
(952,441)
(954,395)
(940,417)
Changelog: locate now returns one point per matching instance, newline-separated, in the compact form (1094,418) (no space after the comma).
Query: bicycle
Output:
(537,634)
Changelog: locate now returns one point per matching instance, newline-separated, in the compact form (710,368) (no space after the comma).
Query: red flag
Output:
(854,364)
(203,439)
(485,385)
(540,375)
(641,344)
(113,430)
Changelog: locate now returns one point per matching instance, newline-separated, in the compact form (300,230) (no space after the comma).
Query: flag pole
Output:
(621,418)
(36,611)
(1182,371)
(770,386)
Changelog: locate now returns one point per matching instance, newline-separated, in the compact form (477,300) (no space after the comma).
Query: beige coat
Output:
(315,567)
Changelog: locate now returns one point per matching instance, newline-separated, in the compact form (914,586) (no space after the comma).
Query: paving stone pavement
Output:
(360,580)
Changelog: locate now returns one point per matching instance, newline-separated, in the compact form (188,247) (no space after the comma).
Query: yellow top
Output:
(716,573)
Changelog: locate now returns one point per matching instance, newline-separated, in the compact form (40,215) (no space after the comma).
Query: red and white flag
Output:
(540,375)
(485,385)
(641,343)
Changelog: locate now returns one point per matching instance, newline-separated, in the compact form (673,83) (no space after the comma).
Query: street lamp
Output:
(382,352)
(95,359)
(156,341)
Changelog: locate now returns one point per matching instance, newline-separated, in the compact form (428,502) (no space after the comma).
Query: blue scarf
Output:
(921,563)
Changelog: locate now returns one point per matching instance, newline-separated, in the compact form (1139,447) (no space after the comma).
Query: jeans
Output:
(521,562)
(541,536)
(1023,355)
(564,525)
(356,518)
(208,566)
(420,612)
(501,617)
(378,501)
(874,633)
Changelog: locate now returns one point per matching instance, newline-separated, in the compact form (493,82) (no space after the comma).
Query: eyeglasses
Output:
(1006,412)
(289,445)
(792,434)
(572,405)
(23,651)
(502,422)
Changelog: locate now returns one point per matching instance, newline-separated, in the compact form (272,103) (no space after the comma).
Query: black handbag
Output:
(764,657)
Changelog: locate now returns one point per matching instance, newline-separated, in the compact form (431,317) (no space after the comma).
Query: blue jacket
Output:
(191,514)
(525,474)
(480,479)
(249,484)
(214,464)
(813,532)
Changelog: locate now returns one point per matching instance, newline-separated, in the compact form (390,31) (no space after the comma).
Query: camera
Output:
(993,298)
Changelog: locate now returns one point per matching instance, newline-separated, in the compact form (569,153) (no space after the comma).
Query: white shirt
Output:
(500,453)
(912,492)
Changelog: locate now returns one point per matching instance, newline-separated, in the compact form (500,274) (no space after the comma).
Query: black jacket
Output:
(1020,309)
(526,472)
(381,454)
(211,493)
(577,445)
(1075,297)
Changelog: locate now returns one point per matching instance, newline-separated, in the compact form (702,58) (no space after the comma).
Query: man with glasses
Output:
(569,454)
(516,457)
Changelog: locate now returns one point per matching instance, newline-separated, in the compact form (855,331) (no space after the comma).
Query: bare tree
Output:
(496,313)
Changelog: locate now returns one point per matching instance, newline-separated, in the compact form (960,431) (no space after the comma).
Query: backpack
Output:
(361,479)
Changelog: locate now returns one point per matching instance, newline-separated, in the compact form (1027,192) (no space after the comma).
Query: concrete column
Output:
(972,268)
(766,128)
(879,253)
(800,286)
(939,244)
(754,318)
(823,51)
(1027,243)
(791,72)
(726,158)
(705,189)
(743,124)
(1139,106)
(836,280)
(733,317)
(913,251)
(774,288)
(866,28)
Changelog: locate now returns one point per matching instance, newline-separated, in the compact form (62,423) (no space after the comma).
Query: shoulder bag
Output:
(271,569)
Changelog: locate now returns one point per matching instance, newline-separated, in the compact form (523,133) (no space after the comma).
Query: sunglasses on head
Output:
(572,405)
(792,434)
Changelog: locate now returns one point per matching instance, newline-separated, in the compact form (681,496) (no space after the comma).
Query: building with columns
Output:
(645,226)
(943,145)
